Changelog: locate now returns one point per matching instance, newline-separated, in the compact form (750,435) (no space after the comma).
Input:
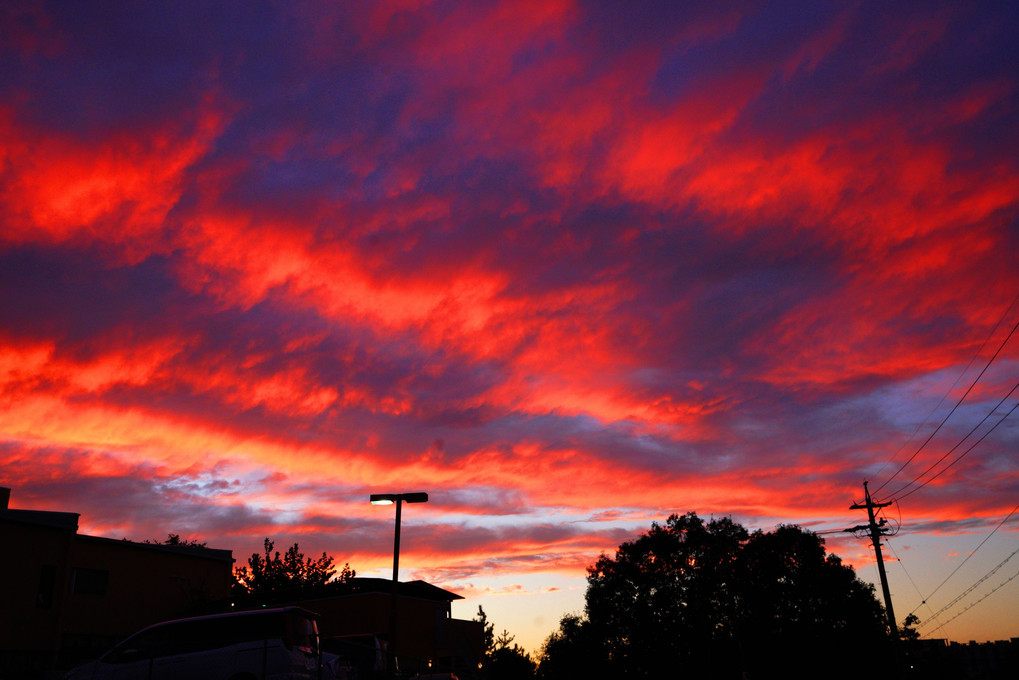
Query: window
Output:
(303,633)
(89,581)
(153,642)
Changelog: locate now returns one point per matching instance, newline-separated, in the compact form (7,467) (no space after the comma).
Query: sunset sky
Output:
(568,267)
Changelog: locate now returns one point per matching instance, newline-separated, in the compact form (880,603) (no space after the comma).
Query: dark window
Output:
(47,577)
(89,581)
(303,633)
(189,636)
(147,644)
(197,636)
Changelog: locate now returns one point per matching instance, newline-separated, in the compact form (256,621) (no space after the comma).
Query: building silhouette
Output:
(427,637)
(68,597)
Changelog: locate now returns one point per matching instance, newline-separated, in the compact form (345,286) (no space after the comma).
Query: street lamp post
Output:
(399,499)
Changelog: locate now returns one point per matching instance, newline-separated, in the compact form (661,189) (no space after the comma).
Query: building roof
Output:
(191,550)
(419,589)
(355,586)
(56,520)
(68,521)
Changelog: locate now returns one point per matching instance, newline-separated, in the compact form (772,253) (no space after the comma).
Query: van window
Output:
(302,634)
(202,635)
(147,644)
(297,631)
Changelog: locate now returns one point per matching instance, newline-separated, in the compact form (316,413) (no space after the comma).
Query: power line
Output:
(991,592)
(972,553)
(987,595)
(903,566)
(945,395)
(898,522)
(961,455)
(954,408)
(969,590)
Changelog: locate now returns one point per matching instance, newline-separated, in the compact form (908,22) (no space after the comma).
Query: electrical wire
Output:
(969,590)
(897,522)
(895,497)
(971,554)
(986,595)
(903,566)
(899,560)
(944,396)
(954,408)
(961,455)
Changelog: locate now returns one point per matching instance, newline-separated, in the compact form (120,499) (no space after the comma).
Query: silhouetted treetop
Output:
(175,539)
(503,659)
(711,599)
(571,652)
(274,573)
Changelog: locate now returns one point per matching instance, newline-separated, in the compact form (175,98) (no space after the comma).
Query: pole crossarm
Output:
(864,506)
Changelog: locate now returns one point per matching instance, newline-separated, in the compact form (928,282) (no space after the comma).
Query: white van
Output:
(263,644)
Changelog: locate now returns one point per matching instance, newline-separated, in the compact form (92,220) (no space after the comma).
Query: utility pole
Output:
(877,530)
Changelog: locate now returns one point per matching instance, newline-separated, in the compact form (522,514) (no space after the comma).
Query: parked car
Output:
(357,657)
(336,667)
(262,644)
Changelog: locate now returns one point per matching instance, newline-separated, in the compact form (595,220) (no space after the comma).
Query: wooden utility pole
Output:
(877,530)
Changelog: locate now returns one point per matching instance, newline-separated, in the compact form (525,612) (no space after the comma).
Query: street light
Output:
(399,499)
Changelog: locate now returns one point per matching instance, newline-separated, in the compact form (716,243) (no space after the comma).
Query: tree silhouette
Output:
(908,630)
(275,573)
(710,599)
(503,659)
(570,652)
(175,539)
(488,641)
(807,605)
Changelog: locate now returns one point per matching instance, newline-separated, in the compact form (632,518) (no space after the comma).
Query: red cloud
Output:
(119,189)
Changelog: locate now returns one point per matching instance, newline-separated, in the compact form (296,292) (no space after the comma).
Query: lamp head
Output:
(390,498)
